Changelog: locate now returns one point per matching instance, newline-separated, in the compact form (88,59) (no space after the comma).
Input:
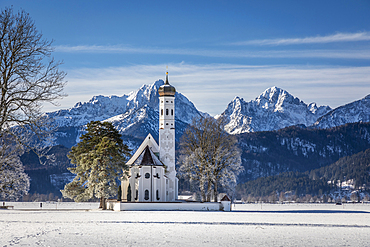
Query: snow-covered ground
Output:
(247,225)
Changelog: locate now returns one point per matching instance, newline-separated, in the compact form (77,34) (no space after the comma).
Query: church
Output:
(152,174)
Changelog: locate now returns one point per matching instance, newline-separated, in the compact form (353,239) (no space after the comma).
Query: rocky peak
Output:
(275,108)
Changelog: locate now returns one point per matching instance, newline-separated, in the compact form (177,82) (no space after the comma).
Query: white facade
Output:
(167,143)
(152,173)
(147,179)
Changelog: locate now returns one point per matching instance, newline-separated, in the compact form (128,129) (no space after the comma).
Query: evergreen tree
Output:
(99,160)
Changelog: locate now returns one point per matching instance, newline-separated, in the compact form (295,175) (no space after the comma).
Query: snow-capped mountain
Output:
(274,109)
(100,107)
(357,111)
(134,114)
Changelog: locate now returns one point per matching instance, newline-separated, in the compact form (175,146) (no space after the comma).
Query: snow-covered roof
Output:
(148,142)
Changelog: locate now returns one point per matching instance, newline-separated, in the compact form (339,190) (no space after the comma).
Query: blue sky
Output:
(319,51)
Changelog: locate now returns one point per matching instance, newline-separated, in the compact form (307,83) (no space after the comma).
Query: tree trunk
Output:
(209,191)
(215,192)
(202,191)
(103,205)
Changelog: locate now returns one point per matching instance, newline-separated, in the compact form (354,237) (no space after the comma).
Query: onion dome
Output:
(166,89)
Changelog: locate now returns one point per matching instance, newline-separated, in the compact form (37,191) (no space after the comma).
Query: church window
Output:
(172,112)
(146,196)
(161,112)
(157,195)
(129,193)
(147,175)
(167,112)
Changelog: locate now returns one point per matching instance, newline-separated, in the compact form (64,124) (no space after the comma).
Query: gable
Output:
(148,142)
(147,158)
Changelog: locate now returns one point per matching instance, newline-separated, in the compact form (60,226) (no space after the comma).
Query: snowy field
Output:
(70,224)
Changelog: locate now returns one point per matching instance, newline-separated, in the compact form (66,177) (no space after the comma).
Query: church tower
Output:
(167,136)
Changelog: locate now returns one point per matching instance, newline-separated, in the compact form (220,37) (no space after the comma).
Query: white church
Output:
(152,174)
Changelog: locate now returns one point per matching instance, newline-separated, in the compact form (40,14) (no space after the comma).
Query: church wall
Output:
(134,182)
(146,186)
(167,142)
(146,178)
(159,184)
(124,188)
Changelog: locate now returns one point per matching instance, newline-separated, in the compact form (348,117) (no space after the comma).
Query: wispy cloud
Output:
(338,37)
(323,53)
(212,86)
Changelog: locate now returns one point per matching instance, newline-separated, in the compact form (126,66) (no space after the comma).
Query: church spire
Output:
(167,83)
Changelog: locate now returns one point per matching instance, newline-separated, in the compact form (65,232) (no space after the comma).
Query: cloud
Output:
(337,54)
(212,86)
(338,37)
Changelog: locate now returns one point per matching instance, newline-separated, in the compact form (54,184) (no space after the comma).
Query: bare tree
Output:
(209,156)
(29,78)
(14,182)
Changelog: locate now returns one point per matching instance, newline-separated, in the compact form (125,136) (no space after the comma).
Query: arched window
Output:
(166,111)
(129,193)
(172,112)
(137,195)
(157,195)
(161,112)
(146,195)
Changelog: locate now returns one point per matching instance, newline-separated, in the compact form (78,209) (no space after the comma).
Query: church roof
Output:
(148,141)
(147,158)
(166,89)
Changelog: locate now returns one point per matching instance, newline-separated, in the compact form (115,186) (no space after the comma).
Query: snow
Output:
(274,109)
(247,225)
(129,113)
(357,111)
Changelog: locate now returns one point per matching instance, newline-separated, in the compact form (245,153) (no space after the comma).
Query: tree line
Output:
(314,182)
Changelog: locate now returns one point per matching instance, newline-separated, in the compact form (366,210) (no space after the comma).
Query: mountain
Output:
(274,109)
(267,147)
(299,149)
(357,111)
(134,114)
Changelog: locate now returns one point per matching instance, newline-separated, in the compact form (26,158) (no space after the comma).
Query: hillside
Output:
(299,149)
(354,170)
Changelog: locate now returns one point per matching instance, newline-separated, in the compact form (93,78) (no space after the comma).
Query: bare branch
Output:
(209,156)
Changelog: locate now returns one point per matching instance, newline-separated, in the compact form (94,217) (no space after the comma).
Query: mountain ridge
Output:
(134,114)
(273,109)
(356,111)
